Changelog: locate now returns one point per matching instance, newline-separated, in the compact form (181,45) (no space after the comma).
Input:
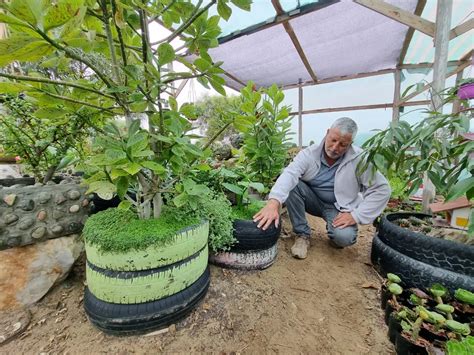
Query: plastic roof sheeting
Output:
(341,39)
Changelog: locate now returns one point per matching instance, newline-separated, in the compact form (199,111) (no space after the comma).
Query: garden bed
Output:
(323,302)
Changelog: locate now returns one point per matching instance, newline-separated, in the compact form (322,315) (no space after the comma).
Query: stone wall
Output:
(29,214)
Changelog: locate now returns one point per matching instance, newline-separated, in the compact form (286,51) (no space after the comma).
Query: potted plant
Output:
(128,77)
(435,147)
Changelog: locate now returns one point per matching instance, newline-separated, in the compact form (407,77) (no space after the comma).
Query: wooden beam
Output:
(430,65)
(284,17)
(396,96)
(340,78)
(362,107)
(234,78)
(457,101)
(406,44)
(180,88)
(427,86)
(300,116)
(462,28)
(400,15)
(294,39)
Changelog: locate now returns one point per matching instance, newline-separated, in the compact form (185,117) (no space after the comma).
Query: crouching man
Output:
(323,181)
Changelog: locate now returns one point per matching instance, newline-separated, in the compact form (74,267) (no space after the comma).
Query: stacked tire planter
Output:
(142,290)
(421,260)
(256,249)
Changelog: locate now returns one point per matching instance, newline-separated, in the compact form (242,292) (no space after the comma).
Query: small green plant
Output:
(438,291)
(464,296)
(460,329)
(394,288)
(460,347)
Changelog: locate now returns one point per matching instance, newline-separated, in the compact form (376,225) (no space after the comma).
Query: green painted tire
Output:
(185,243)
(131,287)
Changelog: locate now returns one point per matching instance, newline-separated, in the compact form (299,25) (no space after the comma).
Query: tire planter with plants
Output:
(415,273)
(255,249)
(142,289)
(440,253)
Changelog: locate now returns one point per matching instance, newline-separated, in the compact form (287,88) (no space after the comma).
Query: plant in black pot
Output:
(439,148)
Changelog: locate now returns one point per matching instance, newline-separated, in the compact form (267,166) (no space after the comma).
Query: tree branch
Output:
(54,82)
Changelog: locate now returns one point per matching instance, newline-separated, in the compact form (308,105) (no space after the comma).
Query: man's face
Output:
(336,144)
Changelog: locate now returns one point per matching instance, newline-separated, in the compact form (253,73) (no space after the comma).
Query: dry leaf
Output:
(370,285)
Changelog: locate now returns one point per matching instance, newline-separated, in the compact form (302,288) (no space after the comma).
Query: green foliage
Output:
(266,127)
(217,112)
(395,289)
(460,347)
(215,208)
(247,212)
(434,146)
(458,328)
(114,70)
(46,140)
(116,230)
(464,296)
(399,188)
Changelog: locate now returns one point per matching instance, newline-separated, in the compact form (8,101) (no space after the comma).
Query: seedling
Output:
(446,309)
(464,296)
(460,329)
(438,291)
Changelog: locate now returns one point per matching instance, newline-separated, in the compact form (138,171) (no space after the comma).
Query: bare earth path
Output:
(325,304)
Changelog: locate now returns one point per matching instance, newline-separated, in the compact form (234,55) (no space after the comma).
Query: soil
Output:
(427,227)
(328,303)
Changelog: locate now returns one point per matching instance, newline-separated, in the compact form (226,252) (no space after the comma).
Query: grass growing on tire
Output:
(248,211)
(115,230)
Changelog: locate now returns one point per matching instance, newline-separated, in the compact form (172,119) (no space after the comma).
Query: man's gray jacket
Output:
(364,195)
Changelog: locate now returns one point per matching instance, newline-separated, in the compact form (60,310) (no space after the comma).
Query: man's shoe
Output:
(334,245)
(300,249)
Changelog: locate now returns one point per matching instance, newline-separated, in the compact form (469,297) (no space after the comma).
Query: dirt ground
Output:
(326,304)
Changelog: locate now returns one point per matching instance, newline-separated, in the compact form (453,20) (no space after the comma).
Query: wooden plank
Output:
(400,15)
(429,65)
(294,39)
(396,96)
(427,86)
(443,25)
(457,102)
(462,28)
(406,44)
(362,107)
(180,88)
(300,116)
(340,78)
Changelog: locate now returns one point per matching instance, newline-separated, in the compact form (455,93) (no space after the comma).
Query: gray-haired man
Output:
(323,181)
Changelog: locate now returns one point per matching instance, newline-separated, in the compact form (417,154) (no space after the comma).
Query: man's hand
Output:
(268,214)
(343,220)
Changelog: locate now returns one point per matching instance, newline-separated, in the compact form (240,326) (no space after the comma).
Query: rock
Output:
(13,241)
(58,213)
(44,197)
(74,208)
(27,205)
(73,194)
(66,181)
(28,273)
(57,229)
(50,183)
(85,202)
(59,199)
(10,218)
(39,184)
(41,216)
(9,199)
(74,227)
(38,232)
(26,223)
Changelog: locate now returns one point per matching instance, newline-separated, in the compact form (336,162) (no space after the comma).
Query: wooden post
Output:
(443,27)
(300,114)
(396,96)
(457,102)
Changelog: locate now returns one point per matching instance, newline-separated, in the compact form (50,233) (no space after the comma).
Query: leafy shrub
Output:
(215,208)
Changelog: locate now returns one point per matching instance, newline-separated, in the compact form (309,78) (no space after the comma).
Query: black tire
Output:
(441,253)
(131,319)
(250,237)
(415,273)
